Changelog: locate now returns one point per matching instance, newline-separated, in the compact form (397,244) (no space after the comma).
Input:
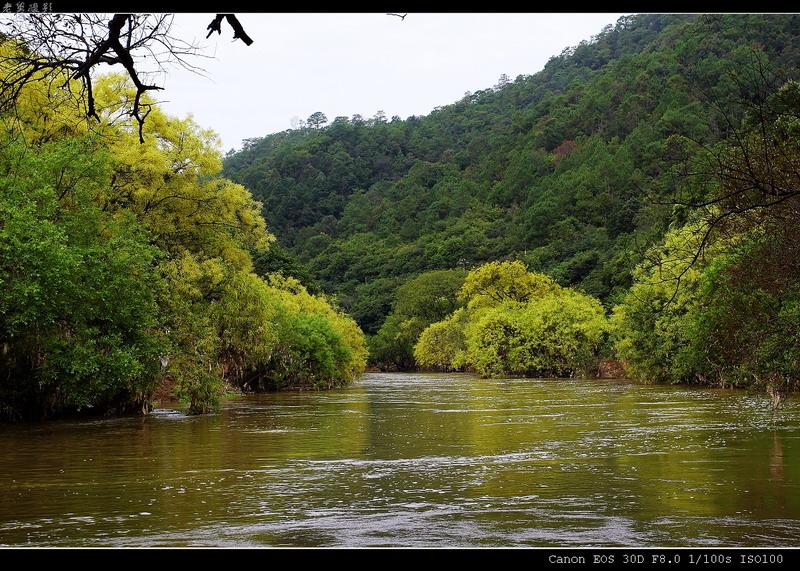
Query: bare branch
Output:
(238,30)
(70,47)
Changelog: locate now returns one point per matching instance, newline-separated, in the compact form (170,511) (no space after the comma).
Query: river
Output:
(416,460)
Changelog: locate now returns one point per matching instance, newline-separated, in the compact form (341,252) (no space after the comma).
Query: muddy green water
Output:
(416,460)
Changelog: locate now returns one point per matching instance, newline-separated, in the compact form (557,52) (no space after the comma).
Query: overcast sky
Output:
(346,64)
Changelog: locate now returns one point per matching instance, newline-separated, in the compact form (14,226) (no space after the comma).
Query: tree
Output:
(127,267)
(379,117)
(499,282)
(278,260)
(57,48)
(316,120)
(718,302)
(750,178)
(420,301)
(431,296)
(733,319)
(442,345)
(79,321)
(502,82)
(557,335)
(516,322)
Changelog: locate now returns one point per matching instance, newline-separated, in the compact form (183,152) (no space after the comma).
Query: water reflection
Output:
(416,460)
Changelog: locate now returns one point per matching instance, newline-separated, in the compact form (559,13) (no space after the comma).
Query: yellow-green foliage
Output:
(442,345)
(502,282)
(558,334)
(516,322)
(325,344)
(172,182)
(42,112)
(731,319)
(650,326)
(157,219)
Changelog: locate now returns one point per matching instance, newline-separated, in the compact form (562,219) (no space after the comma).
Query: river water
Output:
(416,460)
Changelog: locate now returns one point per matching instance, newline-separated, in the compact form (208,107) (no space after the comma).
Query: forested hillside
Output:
(566,170)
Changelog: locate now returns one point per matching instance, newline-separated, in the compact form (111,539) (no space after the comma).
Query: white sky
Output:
(344,64)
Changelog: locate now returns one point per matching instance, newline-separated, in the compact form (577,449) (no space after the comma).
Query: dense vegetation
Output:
(126,267)
(556,169)
(425,299)
(718,301)
(637,199)
(516,323)
(586,172)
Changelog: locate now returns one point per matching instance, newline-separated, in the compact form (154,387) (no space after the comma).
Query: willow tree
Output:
(516,322)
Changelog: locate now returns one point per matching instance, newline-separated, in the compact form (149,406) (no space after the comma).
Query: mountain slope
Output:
(564,169)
